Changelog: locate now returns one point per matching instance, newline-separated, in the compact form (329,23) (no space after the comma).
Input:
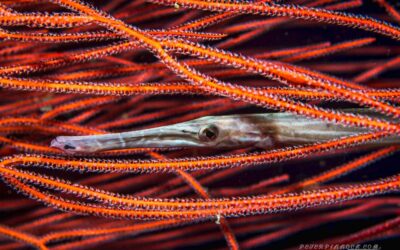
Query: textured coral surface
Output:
(85,68)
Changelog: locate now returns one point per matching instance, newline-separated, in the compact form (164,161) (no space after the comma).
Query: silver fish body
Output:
(261,130)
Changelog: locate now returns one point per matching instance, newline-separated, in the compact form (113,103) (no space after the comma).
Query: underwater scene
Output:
(200,124)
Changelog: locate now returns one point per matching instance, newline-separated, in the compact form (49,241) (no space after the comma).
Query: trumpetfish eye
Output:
(68,146)
(209,133)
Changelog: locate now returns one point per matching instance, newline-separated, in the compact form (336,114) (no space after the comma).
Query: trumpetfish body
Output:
(260,130)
